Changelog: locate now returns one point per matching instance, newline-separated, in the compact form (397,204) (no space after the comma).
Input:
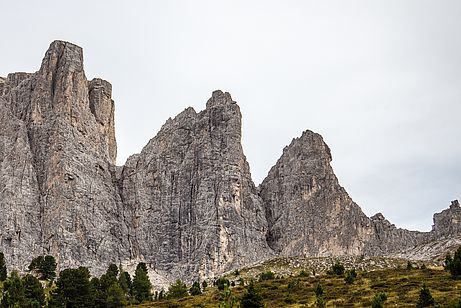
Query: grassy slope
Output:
(401,285)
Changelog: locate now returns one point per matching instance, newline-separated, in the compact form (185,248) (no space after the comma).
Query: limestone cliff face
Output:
(186,204)
(447,223)
(195,208)
(59,150)
(308,212)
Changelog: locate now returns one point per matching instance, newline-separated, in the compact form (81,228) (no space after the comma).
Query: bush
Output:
(303,273)
(221,282)
(204,285)
(350,276)
(226,299)
(289,299)
(409,265)
(378,300)
(425,298)
(338,269)
(195,289)
(266,276)
(293,285)
(320,302)
(318,290)
(251,298)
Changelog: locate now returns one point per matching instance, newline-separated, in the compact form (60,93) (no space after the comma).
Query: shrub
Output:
(252,298)
(195,289)
(266,276)
(303,273)
(320,302)
(289,299)
(226,300)
(338,269)
(318,290)
(293,285)
(350,276)
(221,282)
(378,300)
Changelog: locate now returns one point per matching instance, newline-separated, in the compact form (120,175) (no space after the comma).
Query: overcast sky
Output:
(380,80)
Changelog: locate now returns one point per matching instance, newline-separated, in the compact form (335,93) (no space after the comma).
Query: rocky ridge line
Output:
(186,204)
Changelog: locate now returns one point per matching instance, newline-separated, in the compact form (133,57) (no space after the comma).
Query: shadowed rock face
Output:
(186,205)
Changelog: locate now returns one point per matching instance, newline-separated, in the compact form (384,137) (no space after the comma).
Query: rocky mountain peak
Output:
(186,205)
(448,222)
(219,98)
(62,56)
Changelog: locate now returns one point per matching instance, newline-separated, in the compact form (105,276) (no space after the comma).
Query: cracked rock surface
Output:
(186,205)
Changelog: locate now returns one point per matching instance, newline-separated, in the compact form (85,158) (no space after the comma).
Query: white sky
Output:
(380,80)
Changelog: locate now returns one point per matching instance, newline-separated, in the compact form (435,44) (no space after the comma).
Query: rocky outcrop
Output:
(308,212)
(62,201)
(195,208)
(447,223)
(186,205)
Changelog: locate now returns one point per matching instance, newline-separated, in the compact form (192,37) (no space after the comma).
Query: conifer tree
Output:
(3,273)
(177,290)
(73,289)
(251,298)
(425,298)
(13,291)
(33,291)
(195,289)
(141,284)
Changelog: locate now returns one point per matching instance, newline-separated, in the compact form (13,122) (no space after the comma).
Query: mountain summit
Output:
(186,205)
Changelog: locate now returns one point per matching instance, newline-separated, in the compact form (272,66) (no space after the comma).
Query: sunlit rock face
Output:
(186,205)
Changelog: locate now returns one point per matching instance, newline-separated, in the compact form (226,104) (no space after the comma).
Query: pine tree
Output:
(124,280)
(195,289)
(115,296)
(425,298)
(226,300)
(33,290)
(177,290)
(453,265)
(3,273)
(48,268)
(45,266)
(251,298)
(73,289)
(141,284)
(13,291)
